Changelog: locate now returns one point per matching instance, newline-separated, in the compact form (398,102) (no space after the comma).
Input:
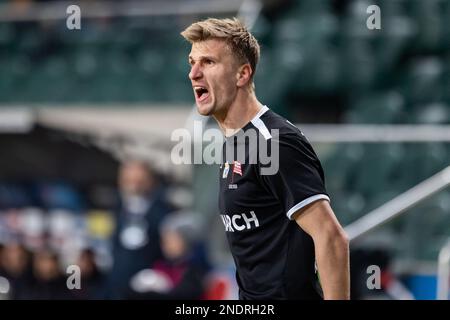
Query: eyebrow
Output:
(203,58)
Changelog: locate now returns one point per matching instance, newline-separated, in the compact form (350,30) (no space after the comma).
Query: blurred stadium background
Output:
(74,104)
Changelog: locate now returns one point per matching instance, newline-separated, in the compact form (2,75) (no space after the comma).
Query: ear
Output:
(244,74)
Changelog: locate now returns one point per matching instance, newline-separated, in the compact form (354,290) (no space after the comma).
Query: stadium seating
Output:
(397,75)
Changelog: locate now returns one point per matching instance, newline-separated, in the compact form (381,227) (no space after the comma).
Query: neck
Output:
(243,109)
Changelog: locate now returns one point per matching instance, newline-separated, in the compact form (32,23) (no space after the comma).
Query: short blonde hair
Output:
(242,43)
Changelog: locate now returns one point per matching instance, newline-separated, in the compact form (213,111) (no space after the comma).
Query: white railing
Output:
(401,204)
(443,272)
(335,133)
(398,205)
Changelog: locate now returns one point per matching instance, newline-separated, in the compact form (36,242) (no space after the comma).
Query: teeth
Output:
(200,91)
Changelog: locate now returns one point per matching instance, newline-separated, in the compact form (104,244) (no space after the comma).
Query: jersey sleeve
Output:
(299,180)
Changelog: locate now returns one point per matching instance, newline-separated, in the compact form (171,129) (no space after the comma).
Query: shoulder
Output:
(274,121)
(282,130)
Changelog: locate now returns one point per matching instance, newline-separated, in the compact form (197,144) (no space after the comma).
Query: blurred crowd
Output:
(145,248)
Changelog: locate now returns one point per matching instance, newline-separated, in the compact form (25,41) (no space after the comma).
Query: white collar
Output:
(263,110)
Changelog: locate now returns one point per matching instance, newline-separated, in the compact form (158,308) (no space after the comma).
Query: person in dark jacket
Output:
(136,242)
(181,273)
(93,280)
(15,267)
(47,281)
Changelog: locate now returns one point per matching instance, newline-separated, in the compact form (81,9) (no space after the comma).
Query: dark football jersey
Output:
(274,257)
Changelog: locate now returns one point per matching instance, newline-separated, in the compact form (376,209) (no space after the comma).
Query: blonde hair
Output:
(242,43)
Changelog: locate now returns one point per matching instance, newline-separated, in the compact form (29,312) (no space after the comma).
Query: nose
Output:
(195,73)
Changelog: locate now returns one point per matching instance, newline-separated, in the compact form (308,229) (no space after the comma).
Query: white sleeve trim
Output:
(305,202)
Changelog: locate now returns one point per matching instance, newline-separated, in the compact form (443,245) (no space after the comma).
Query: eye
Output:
(209,61)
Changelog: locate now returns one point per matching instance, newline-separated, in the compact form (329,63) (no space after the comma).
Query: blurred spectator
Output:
(93,281)
(47,282)
(15,267)
(136,241)
(181,274)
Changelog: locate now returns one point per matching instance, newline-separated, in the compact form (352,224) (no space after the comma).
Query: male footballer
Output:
(284,237)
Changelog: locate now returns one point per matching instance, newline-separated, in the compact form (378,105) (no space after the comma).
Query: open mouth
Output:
(201,93)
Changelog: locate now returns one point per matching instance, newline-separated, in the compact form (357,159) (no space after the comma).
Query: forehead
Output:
(211,47)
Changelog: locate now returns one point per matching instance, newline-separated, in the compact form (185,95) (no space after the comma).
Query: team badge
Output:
(225,170)
(237,168)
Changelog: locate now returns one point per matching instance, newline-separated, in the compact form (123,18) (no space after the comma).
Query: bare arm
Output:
(331,248)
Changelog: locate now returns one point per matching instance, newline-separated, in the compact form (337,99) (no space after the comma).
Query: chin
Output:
(205,110)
